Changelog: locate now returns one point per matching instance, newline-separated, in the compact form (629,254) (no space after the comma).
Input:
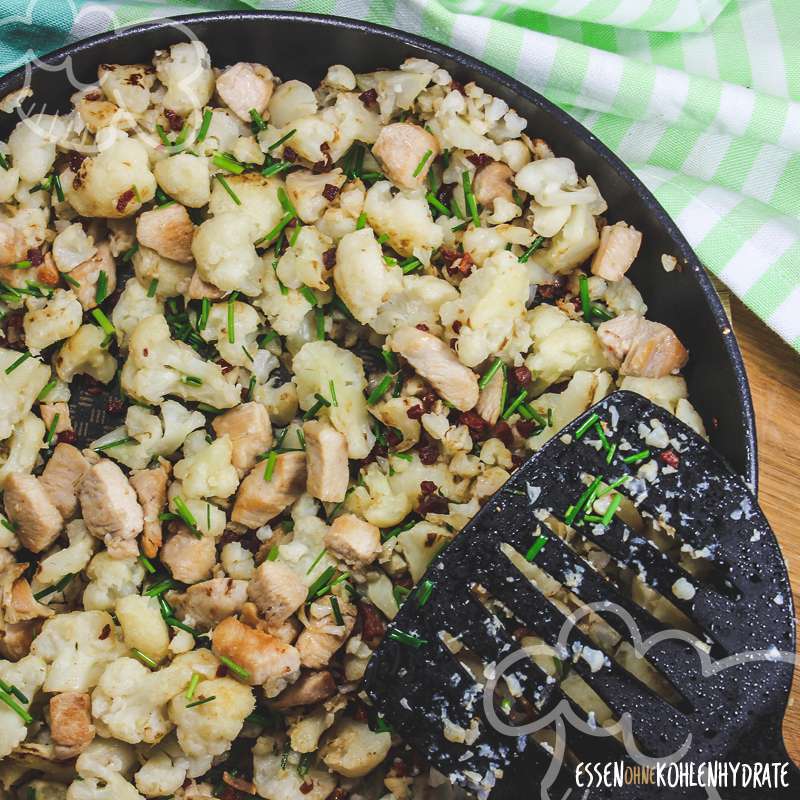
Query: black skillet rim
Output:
(15,78)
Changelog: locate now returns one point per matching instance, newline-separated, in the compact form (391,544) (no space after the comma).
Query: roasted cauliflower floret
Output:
(186,72)
(84,353)
(49,321)
(276,779)
(19,388)
(208,472)
(27,675)
(186,178)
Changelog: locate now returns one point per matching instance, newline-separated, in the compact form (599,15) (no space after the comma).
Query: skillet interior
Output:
(303,46)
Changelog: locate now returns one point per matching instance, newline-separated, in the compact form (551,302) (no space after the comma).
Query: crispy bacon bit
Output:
(330,191)
(373,627)
(66,437)
(448,256)
(75,159)
(465,265)
(35,256)
(526,427)
(329,258)
(92,96)
(124,199)
(326,163)
(473,420)
(502,431)
(429,401)
(175,120)
(306,786)
(104,634)
(369,98)
(428,454)
(670,458)
(521,375)
(114,405)
(427,487)
(480,160)
(393,437)
(289,154)
(415,412)
(12,324)
(432,504)
(226,367)
(458,87)
(453,343)
(457,326)
(422,327)
(338,794)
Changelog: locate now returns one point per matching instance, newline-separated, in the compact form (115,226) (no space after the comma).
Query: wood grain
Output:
(774,372)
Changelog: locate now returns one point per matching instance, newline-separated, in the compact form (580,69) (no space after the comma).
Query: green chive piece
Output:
(59,189)
(145,659)
(152,288)
(273,553)
(613,485)
(321,585)
(601,434)
(269,469)
(101,290)
(400,594)
(235,668)
(204,125)
(201,702)
(205,310)
(319,318)
(192,686)
(536,244)
(227,187)
(192,380)
(21,360)
(424,592)
(380,390)
(274,169)
(182,134)
(586,303)
(490,373)
(422,163)
(361,221)
(460,227)
(309,295)
(469,195)
(128,254)
(59,586)
(226,162)
(162,134)
(231,319)
(407,638)
(275,232)
(51,431)
(586,424)
(640,456)
(585,500)
(410,264)
(186,515)
(159,588)
(518,400)
(612,509)
(104,322)
(16,707)
(332,389)
(337,612)
(439,206)
(316,561)
(116,443)
(47,389)
(3,161)
(390,360)
(258,124)
(603,314)
(9,526)
(534,549)
(285,202)
(611,452)
(147,564)
(11,689)
(283,139)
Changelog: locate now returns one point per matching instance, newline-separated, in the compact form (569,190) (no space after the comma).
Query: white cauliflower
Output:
(246,322)
(573,244)
(103,769)
(50,320)
(157,366)
(134,305)
(18,388)
(305,188)
(76,647)
(418,302)
(315,366)
(396,88)
(554,182)
(302,264)
(289,101)
(186,178)
(172,277)
(420,544)
(84,353)
(666,392)
(237,561)
(354,750)
(208,472)
(72,247)
(127,85)
(110,579)
(68,560)
(130,701)
(33,145)
(186,72)
(142,625)
(258,201)
(288,313)
(276,777)
(164,771)
(310,133)
(20,451)
(361,276)
(27,675)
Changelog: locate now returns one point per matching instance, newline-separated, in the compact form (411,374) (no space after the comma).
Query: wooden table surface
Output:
(774,372)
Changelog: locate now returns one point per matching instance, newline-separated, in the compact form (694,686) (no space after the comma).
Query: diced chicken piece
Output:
(188,558)
(493,181)
(38,522)
(619,245)
(270,662)
(311,687)
(110,508)
(244,86)
(326,454)
(17,603)
(491,398)
(71,720)
(287,631)
(210,602)
(87,275)
(250,432)
(353,750)
(150,486)
(316,644)
(647,349)
(168,231)
(277,590)
(16,639)
(12,244)
(62,476)
(258,501)
(353,540)
(199,289)
(55,416)
(438,364)
(400,149)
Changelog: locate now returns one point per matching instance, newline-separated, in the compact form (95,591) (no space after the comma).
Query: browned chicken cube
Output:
(110,508)
(277,590)
(316,644)
(326,456)
(150,486)
(168,231)
(619,245)
(353,540)
(17,603)
(491,398)
(71,720)
(438,364)
(493,181)
(250,432)
(38,522)
(87,274)
(311,687)
(646,349)
(258,501)
(244,86)
(16,639)
(268,661)
(62,476)
(210,602)
(199,289)
(188,558)
(401,151)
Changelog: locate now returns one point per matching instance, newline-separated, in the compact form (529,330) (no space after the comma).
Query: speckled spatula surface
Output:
(625,496)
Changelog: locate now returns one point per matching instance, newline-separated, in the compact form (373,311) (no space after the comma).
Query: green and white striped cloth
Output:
(700,97)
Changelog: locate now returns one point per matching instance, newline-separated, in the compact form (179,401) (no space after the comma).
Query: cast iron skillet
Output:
(304,45)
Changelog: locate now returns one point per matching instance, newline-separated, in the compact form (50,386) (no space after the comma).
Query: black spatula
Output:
(715,564)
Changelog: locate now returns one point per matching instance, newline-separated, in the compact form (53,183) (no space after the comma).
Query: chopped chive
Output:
(601,434)
(361,221)
(135,190)
(285,202)
(159,588)
(316,561)
(228,163)
(101,290)
(549,417)
(372,176)
(295,234)
(47,389)
(613,485)
(11,689)
(116,443)
(237,670)
(275,233)
(390,360)
(162,134)
(490,373)
(247,353)
(59,586)
(321,584)
(201,702)
(192,380)
(51,431)
(3,161)
(592,518)
(152,288)
(337,612)
(166,608)
(585,500)
(283,139)
(309,295)
(455,209)
(274,169)
(439,206)
(58,187)
(227,187)
(340,306)
(383,238)
(611,451)
(422,163)
(319,318)
(205,310)
(21,360)
(182,134)
(332,389)
(612,509)
(534,549)
(469,196)
(518,400)
(536,244)
(601,313)
(424,592)
(302,437)
(145,659)
(192,686)
(400,594)
(407,638)
(460,227)
(586,424)
(129,253)
(16,707)
(103,321)
(410,264)
(380,390)
(315,409)
(8,525)
(147,564)
(273,553)
(269,469)
(20,265)
(231,319)
(404,456)
(258,123)
(204,125)
(186,515)
(640,456)
(586,303)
